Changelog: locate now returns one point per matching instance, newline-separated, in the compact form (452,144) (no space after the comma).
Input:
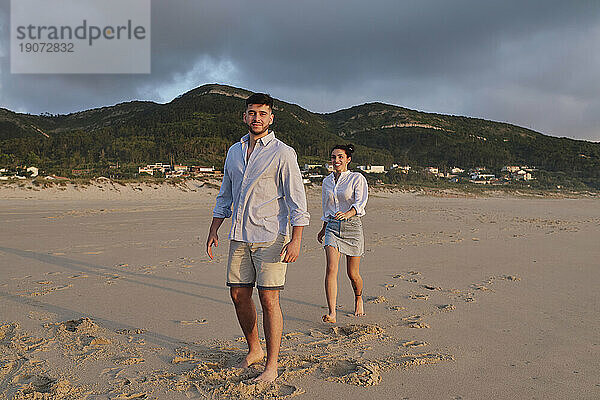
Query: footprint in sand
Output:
(413,343)
(111,373)
(78,276)
(446,307)
(398,276)
(193,322)
(130,331)
(429,287)
(180,359)
(48,290)
(242,339)
(388,286)
(292,335)
(128,396)
(100,341)
(412,318)
(36,384)
(510,278)
(490,280)
(129,361)
(111,278)
(21,278)
(92,252)
(376,300)
(418,296)
(41,316)
(397,308)
(418,325)
(147,269)
(353,373)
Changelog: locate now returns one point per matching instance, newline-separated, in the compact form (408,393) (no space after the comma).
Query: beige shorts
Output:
(259,263)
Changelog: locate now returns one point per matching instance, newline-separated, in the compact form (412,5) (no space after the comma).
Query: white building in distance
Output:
(372,169)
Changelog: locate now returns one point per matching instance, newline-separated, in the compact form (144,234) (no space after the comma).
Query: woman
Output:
(344,199)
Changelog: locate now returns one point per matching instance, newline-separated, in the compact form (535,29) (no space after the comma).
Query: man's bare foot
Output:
(251,358)
(358,307)
(329,318)
(267,376)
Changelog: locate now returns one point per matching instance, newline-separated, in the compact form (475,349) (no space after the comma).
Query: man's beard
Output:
(258,133)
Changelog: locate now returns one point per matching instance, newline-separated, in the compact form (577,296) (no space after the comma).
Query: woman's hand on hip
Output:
(341,215)
(345,215)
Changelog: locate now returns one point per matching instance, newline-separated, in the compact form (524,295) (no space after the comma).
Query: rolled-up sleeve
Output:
(324,200)
(225,197)
(361,194)
(293,189)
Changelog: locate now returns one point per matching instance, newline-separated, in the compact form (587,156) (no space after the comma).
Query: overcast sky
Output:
(530,63)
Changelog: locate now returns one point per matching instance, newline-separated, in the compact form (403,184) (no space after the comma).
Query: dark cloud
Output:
(530,63)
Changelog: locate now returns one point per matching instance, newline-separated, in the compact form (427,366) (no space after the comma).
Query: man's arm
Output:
(225,197)
(213,237)
(293,189)
(295,198)
(221,211)
(292,249)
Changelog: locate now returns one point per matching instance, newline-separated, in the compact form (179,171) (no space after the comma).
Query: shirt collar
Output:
(343,174)
(263,140)
(267,138)
(332,175)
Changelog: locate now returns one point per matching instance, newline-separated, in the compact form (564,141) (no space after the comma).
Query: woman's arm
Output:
(321,232)
(345,215)
(361,194)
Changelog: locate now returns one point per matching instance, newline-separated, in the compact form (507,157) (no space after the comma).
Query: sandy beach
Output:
(106,293)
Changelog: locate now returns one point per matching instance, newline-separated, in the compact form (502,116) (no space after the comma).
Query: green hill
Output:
(199,126)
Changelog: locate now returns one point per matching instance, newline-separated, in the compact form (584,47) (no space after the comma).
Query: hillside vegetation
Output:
(199,126)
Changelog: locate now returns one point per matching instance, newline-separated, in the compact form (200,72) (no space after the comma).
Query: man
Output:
(262,189)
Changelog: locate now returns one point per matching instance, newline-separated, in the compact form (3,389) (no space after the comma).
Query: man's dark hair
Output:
(260,98)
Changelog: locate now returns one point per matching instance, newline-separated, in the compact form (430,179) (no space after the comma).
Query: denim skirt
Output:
(345,235)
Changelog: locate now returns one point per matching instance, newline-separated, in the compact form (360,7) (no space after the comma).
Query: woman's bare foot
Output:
(329,318)
(251,358)
(358,306)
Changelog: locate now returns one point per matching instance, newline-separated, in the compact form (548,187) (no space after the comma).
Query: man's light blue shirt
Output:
(263,194)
